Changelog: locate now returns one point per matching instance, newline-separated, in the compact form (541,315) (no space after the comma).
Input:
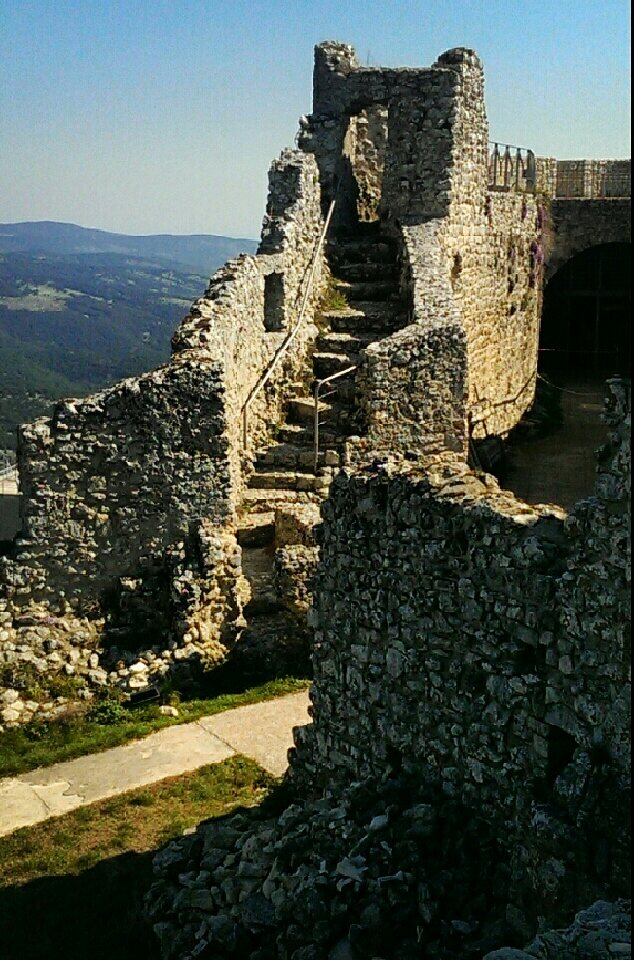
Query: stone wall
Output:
(497,271)
(230,320)
(579,224)
(414,384)
(460,630)
(114,488)
(110,481)
(419,137)
(594,178)
(474,284)
(365,148)
(471,257)
(492,247)
(459,786)
(130,496)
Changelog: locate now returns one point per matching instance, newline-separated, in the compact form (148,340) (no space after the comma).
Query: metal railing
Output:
(511,167)
(283,348)
(318,386)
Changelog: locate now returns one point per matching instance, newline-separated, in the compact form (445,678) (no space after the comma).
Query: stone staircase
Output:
(365,273)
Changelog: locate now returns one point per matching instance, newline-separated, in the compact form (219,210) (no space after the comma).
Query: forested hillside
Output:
(73,323)
(196,253)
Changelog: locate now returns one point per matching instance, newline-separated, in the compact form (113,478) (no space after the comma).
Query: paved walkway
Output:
(561,468)
(262,731)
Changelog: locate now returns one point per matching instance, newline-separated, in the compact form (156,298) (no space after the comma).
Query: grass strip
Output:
(72,887)
(40,745)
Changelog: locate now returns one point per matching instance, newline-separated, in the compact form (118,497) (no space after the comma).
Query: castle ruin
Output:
(389,322)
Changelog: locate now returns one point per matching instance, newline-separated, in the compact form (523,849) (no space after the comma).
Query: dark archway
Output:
(586,325)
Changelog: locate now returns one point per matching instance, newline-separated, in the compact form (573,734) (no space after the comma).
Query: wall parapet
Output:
(594,179)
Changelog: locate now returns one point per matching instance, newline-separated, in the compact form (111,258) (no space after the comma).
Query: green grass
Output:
(334,298)
(72,887)
(41,745)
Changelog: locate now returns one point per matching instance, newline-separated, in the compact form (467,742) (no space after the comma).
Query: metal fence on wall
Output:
(511,168)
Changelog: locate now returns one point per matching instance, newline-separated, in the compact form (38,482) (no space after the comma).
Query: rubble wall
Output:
(472,257)
(460,630)
(119,489)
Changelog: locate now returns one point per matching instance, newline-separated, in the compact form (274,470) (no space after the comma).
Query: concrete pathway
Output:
(262,731)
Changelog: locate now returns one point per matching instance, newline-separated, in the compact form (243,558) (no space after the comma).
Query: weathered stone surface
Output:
(603,931)
(470,656)
(127,567)
(459,628)
(318,881)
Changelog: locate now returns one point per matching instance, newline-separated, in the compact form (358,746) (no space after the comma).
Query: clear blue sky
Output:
(163,116)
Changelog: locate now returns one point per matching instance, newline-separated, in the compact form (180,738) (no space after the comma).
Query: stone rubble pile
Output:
(601,931)
(381,869)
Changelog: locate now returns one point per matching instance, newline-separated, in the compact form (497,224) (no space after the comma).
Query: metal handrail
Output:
(318,386)
(281,351)
(511,166)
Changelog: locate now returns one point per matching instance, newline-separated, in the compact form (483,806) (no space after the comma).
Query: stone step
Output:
(291,456)
(367,290)
(286,480)
(366,272)
(256,529)
(341,393)
(261,499)
(361,230)
(354,250)
(370,310)
(302,435)
(344,343)
(327,364)
(365,318)
(302,410)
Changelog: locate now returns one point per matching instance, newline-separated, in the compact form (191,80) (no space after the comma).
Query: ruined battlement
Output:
(466,772)
(133,500)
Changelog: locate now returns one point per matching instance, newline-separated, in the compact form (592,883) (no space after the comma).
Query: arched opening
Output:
(362,166)
(10,502)
(586,326)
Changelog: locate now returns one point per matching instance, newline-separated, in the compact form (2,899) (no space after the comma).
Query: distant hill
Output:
(70,324)
(199,253)
(82,308)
